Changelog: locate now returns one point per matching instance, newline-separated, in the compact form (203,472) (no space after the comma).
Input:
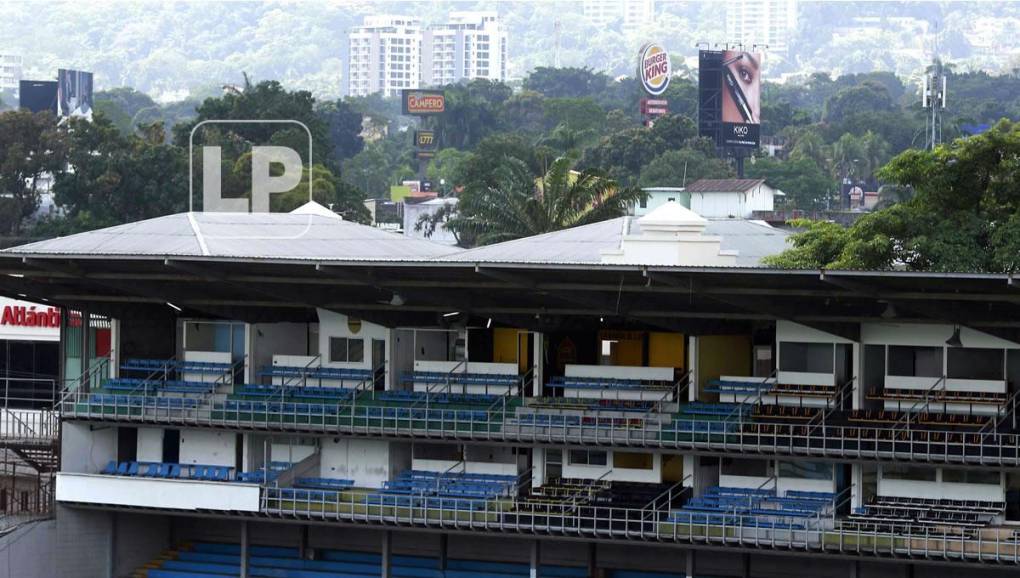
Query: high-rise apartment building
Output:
(385,55)
(470,45)
(10,71)
(762,22)
(391,53)
(631,13)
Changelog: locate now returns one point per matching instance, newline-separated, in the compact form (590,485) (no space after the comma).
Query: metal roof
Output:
(263,236)
(723,185)
(753,240)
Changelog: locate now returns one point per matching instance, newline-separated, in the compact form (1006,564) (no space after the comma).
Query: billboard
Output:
(422,102)
(425,143)
(654,68)
(38,95)
(74,93)
(729,88)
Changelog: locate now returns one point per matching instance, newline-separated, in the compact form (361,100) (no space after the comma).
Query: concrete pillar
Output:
(244,549)
(111,550)
(304,552)
(537,354)
(387,553)
(442,552)
(858,365)
(536,559)
(910,570)
(593,563)
(689,570)
(855,569)
(692,364)
(745,566)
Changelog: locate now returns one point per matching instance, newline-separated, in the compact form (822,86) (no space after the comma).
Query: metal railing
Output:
(615,523)
(753,438)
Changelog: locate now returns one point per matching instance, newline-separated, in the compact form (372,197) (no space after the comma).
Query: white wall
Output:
(739,205)
(940,490)
(152,493)
(487,368)
(212,448)
(86,450)
(368,462)
(335,325)
(205,356)
(271,339)
(21,320)
(150,444)
(292,453)
(619,372)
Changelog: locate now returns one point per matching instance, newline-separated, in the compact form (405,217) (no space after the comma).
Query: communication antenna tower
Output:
(556,43)
(933,97)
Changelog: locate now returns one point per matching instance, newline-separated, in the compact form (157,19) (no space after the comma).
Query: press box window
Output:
(907,361)
(992,478)
(346,350)
(587,458)
(806,357)
(911,473)
(975,363)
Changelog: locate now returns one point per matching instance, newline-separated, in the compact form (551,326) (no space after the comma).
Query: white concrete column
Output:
(692,365)
(690,566)
(857,491)
(387,553)
(537,351)
(536,559)
(244,549)
(538,467)
(114,348)
(858,395)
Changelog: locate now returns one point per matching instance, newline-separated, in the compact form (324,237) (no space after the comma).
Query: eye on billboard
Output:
(423,102)
(730,97)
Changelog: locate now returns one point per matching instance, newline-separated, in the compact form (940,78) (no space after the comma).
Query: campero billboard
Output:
(423,102)
(730,97)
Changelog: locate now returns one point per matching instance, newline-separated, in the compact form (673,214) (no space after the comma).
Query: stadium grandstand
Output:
(294,395)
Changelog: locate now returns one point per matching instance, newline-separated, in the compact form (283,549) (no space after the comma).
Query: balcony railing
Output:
(996,546)
(501,424)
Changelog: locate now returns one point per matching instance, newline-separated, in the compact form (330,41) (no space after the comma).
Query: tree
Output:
(566,82)
(867,97)
(522,204)
(343,124)
(327,190)
(806,186)
(112,179)
(623,154)
(676,168)
(445,168)
(30,146)
(962,215)
(574,113)
(369,171)
(472,112)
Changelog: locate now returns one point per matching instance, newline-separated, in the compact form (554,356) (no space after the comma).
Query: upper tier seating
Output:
(754,508)
(316,373)
(803,390)
(292,393)
(563,382)
(584,404)
(420,397)
(142,401)
(172,365)
(462,491)
(132,385)
(938,396)
(703,417)
(459,378)
(170,471)
(742,388)
(896,513)
(884,417)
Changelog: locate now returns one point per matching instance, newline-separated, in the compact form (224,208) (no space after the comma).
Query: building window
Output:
(745,467)
(971,477)
(910,473)
(975,363)
(805,470)
(346,350)
(633,460)
(806,357)
(909,361)
(587,458)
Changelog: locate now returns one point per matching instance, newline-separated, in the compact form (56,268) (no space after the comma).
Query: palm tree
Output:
(520,205)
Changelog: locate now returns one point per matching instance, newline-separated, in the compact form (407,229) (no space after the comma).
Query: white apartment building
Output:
(385,55)
(762,22)
(470,45)
(632,13)
(390,53)
(10,71)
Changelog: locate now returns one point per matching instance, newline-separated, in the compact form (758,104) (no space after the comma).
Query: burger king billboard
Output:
(654,68)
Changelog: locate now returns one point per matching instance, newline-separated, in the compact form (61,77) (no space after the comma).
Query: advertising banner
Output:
(654,68)
(741,99)
(74,93)
(38,95)
(423,102)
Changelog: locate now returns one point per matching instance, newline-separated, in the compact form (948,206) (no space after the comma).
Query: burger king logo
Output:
(654,68)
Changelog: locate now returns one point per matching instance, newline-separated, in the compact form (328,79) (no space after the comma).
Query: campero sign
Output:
(654,68)
(423,102)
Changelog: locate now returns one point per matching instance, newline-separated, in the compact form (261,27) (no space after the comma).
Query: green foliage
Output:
(573,113)
(343,124)
(520,203)
(962,215)
(566,82)
(327,190)
(676,168)
(805,184)
(30,146)
(863,98)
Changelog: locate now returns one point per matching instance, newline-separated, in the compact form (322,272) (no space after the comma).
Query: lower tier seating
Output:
(208,560)
(756,508)
(164,470)
(562,382)
(938,395)
(899,513)
(460,378)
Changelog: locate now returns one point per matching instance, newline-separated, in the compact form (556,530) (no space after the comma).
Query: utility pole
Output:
(933,97)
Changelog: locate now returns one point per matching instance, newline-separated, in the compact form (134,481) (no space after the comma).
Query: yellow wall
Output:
(666,350)
(672,468)
(633,460)
(504,345)
(723,355)
(627,352)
